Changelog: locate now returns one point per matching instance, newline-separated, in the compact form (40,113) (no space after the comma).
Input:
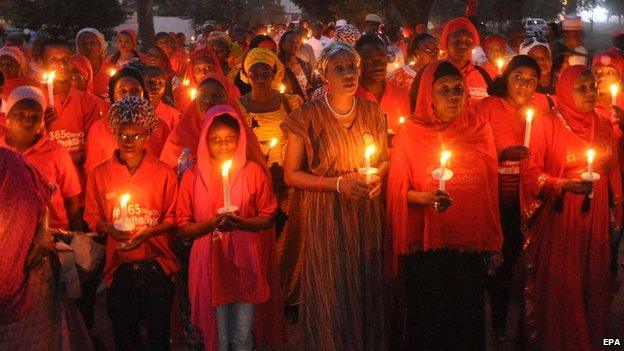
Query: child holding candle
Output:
(440,240)
(495,48)
(507,109)
(233,275)
(566,232)
(139,273)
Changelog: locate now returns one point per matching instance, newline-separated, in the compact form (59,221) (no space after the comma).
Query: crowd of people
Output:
(373,185)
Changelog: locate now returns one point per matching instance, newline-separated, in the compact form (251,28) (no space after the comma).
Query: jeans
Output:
(235,324)
(140,290)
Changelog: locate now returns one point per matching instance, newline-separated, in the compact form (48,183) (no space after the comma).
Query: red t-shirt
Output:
(101,78)
(394,103)
(153,193)
(55,165)
(476,84)
(170,115)
(76,115)
(101,143)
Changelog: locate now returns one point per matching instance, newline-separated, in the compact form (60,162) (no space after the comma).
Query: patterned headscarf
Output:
(347,34)
(132,109)
(262,55)
(332,50)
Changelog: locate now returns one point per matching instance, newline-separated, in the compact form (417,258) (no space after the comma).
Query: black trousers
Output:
(140,291)
(444,301)
(500,284)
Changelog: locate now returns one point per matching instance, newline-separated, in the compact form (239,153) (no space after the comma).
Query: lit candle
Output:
(614,92)
(186,82)
(124,224)
(192,93)
(282,89)
(401,120)
(412,63)
(396,65)
(272,144)
(370,150)
(527,129)
(444,157)
(112,72)
(49,79)
(225,173)
(499,64)
(591,155)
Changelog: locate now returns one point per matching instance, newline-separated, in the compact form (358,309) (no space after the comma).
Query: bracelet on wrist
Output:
(338,189)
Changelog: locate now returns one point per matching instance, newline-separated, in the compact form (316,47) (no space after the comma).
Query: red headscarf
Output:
(491,39)
(609,59)
(205,52)
(83,65)
(24,195)
(581,123)
(467,225)
(455,24)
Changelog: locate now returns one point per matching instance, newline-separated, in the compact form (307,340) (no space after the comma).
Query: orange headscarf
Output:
(83,65)
(455,24)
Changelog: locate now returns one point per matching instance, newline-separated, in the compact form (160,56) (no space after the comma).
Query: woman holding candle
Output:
(92,44)
(510,112)
(342,295)
(566,255)
(140,263)
(233,277)
(439,240)
(495,49)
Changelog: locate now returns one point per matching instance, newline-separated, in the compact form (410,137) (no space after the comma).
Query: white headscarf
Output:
(23,93)
(100,37)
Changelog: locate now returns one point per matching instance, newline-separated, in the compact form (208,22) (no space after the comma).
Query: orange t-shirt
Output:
(394,103)
(476,84)
(153,194)
(170,115)
(101,143)
(55,165)
(76,115)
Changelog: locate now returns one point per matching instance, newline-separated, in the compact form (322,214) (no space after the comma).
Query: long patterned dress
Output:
(342,293)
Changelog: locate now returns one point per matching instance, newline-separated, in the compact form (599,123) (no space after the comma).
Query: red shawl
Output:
(239,266)
(566,250)
(472,223)
(24,196)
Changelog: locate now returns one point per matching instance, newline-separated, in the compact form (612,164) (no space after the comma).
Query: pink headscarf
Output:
(24,196)
(83,65)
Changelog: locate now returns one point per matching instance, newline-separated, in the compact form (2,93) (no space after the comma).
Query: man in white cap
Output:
(372,25)
(570,49)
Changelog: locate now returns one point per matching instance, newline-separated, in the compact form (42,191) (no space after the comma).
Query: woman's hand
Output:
(579,187)
(439,199)
(355,189)
(50,115)
(514,153)
(135,241)
(375,186)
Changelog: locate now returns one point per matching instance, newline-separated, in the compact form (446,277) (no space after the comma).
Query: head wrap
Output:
(580,122)
(25,92)
(611,60)
(373,17)
(531,42)
(456,24)
(347,33)
(261,55)
(205,52)
(423,112)
(340,22)
(132,109)
(83,65)
(100,38)
(16,54)
(222,37)
(131,33)
(332,50)
(492,39)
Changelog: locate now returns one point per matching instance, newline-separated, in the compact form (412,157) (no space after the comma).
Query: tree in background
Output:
(615,8)
(145,20)
(63,18)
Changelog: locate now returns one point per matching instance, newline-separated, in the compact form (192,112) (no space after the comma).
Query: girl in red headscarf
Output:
(568,220)
(233,273)
(495,49)
(438,239)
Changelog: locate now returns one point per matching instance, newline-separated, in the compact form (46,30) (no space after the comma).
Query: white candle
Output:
(370,150)
(401,120)
(112,72)
(499,64)
(49,79)
(614,92)
(443,160)
(591,154)
(186,82)
(282,89)
(527,129)
(225,173)
(124,221)
(192,93)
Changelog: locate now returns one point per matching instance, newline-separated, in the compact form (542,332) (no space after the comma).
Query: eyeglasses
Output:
(131,137)
(431,51)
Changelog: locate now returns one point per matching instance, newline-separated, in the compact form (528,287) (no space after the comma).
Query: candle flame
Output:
(529,115)
(401,120)
(397,65)
(614,89)
(112,72)
(412,63)
(370,150)
(225,168)
(591,154)
(186,82)
(273,143)
(193,93)
(500,63)
(444,157)
(48,77)
(282,89)
(124,200)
